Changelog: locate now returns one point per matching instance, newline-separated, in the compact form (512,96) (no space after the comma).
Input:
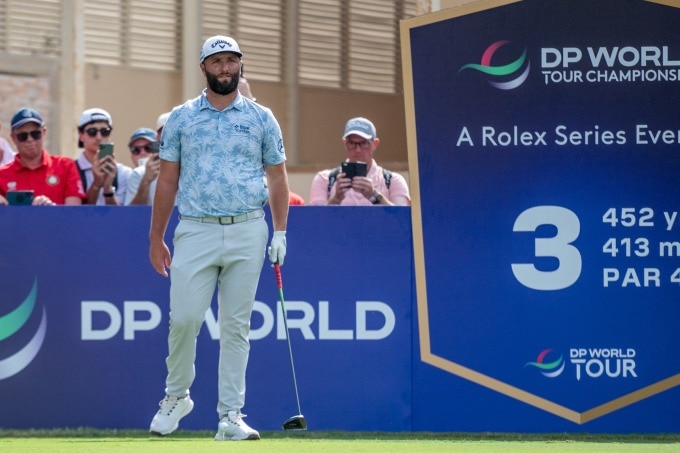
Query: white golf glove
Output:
(277,248)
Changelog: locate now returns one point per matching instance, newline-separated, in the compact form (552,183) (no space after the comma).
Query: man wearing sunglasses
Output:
(144,152)
(53,179)
(105,179)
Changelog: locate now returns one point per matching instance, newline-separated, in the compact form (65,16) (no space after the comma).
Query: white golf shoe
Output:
(171,411)
(232,427)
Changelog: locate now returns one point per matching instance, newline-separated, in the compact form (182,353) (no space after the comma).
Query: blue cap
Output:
(361,127)
(26,115)
(143,132)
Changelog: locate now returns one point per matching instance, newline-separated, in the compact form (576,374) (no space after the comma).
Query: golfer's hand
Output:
(159,255)
(277,248)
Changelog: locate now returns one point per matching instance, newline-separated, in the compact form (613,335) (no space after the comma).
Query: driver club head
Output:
(295,423)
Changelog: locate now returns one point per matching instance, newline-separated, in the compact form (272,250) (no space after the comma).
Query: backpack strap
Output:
(388,177)
(332,176)
(83,178)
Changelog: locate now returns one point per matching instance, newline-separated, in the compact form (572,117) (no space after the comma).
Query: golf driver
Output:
(296,422)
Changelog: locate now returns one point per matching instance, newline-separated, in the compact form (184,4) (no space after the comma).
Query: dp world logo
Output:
(12,323)
(505,76)
(549,369)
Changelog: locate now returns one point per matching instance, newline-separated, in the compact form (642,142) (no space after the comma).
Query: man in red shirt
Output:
(53,179)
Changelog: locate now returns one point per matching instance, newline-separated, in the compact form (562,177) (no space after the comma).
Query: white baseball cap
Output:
(162,119)
(92,115)
(218,44)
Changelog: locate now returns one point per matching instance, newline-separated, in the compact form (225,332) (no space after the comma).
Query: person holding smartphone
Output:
(105,180)
(359,181)
(144,147)
(34,176)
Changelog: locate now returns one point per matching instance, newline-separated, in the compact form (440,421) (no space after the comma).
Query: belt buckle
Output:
(227,220)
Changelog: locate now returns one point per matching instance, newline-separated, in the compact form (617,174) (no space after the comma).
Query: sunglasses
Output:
(35,135)
(136,150)
(92,131)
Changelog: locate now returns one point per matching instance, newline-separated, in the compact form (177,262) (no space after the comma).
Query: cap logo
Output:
(220,43)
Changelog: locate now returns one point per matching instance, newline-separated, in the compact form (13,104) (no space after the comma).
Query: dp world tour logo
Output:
(10,324)
(503,77)
(549,369)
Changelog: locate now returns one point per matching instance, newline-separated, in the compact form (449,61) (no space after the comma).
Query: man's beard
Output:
(223,88)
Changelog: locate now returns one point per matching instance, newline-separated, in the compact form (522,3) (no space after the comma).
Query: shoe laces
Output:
(168,404)
(235,417)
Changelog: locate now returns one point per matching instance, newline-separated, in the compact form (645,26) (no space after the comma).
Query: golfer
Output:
(214,153)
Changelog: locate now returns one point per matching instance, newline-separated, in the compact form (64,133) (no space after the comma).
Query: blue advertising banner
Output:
(532,287)
(84,322)
(544,155)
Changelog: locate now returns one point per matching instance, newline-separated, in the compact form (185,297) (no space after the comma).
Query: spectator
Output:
(222,235)
(105,180)
(53,179)
(378,187)
(6,151)
(160,122)
(142,182)
(293,198)
(296,200)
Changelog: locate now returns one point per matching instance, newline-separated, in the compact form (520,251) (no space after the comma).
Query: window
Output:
(136,33)
(352,44)
(258,26)
(348,44)
(30,27)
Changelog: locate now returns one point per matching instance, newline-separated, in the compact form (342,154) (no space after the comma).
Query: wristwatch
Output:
(375,198)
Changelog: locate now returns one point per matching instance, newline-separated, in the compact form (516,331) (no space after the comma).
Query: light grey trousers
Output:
(206,256)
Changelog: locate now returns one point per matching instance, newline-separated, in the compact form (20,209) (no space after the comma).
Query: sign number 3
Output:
(559,246)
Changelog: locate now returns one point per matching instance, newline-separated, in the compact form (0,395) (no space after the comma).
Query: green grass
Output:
(135,441)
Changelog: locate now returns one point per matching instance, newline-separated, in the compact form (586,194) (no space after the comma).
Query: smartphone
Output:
(105,149)
(20,197)
(155,147)
(352,169)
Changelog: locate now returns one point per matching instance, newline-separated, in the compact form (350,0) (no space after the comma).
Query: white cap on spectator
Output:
(93,115)
(162,119)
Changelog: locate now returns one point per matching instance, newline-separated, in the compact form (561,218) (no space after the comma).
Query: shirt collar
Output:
(237,103)
(45,160)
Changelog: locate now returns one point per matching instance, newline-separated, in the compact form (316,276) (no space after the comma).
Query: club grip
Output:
(277,271)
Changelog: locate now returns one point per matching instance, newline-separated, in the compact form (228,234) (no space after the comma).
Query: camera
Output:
(352,169)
